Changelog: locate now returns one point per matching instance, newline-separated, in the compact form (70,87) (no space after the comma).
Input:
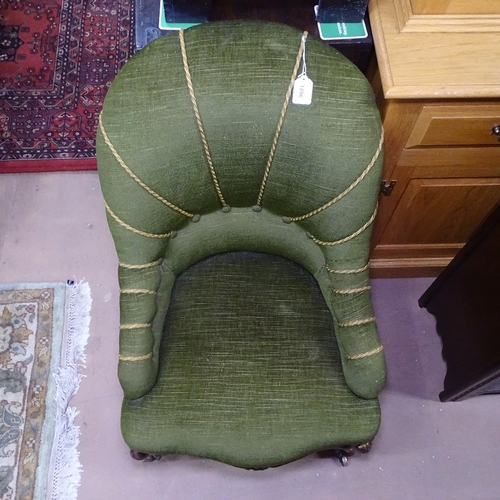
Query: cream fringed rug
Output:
(43,332)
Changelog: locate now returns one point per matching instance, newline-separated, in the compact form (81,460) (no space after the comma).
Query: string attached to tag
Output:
(303,85)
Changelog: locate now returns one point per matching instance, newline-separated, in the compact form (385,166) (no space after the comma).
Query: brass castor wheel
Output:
(343,455)
(345,452)
(364,448)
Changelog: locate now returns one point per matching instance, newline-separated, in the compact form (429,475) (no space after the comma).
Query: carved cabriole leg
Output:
(144,457)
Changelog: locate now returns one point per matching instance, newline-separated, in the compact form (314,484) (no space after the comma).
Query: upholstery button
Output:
(287,220)
(173,234)
(195,218)
(256,208)
(226,209)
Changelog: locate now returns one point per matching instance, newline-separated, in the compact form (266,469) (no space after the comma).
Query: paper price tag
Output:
(302,91)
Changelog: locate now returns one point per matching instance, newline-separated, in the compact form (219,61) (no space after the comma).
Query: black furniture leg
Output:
(187,11)
(341,11)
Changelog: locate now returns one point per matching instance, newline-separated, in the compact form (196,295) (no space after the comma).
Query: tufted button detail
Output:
(226,209)
(257,208)
(195,218)
(309,235)
(173,235)
(287,220)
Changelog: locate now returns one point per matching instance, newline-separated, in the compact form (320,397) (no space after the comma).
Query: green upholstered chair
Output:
(242,223)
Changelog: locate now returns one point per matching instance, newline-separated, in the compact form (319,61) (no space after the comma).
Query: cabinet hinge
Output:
(386,187)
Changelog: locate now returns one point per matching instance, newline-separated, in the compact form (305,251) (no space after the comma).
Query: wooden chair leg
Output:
(144,457)
(365,447)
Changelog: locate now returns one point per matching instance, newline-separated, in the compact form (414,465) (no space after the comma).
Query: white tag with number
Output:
(302,90)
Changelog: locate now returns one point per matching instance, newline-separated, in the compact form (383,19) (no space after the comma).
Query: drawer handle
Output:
(496,131)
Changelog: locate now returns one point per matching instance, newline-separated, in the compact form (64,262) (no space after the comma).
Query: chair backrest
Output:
(201,150)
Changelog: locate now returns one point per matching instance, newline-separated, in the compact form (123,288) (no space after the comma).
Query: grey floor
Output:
(53,227)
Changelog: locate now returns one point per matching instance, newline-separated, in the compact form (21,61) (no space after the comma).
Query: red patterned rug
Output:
(57,60)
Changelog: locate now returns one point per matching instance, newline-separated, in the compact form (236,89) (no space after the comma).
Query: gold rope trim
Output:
(134,326)
(133,229)
(366,354)
(134,176)
(352,290)
(357,322)
(137,291)
(347,271)
(139,266)
(348,189)
(135,358)
(198,118)
(351,236)
(281,119)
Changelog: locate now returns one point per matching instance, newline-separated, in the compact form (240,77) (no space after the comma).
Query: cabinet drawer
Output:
(456,125)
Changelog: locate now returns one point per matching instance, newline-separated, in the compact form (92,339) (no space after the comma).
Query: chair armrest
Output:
(138,364)
(364,370)
(141,326)
(363,360)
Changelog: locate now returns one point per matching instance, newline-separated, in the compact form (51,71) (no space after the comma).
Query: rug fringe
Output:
(67,467)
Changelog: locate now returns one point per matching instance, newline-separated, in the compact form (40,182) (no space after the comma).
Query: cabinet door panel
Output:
(441,211)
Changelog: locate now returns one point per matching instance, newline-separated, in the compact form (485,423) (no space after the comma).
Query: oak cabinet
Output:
(442,131)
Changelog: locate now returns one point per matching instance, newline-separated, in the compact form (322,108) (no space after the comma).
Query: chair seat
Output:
(250,371)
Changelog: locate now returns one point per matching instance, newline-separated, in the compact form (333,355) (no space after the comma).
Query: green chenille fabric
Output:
(250,372)
(165,214)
